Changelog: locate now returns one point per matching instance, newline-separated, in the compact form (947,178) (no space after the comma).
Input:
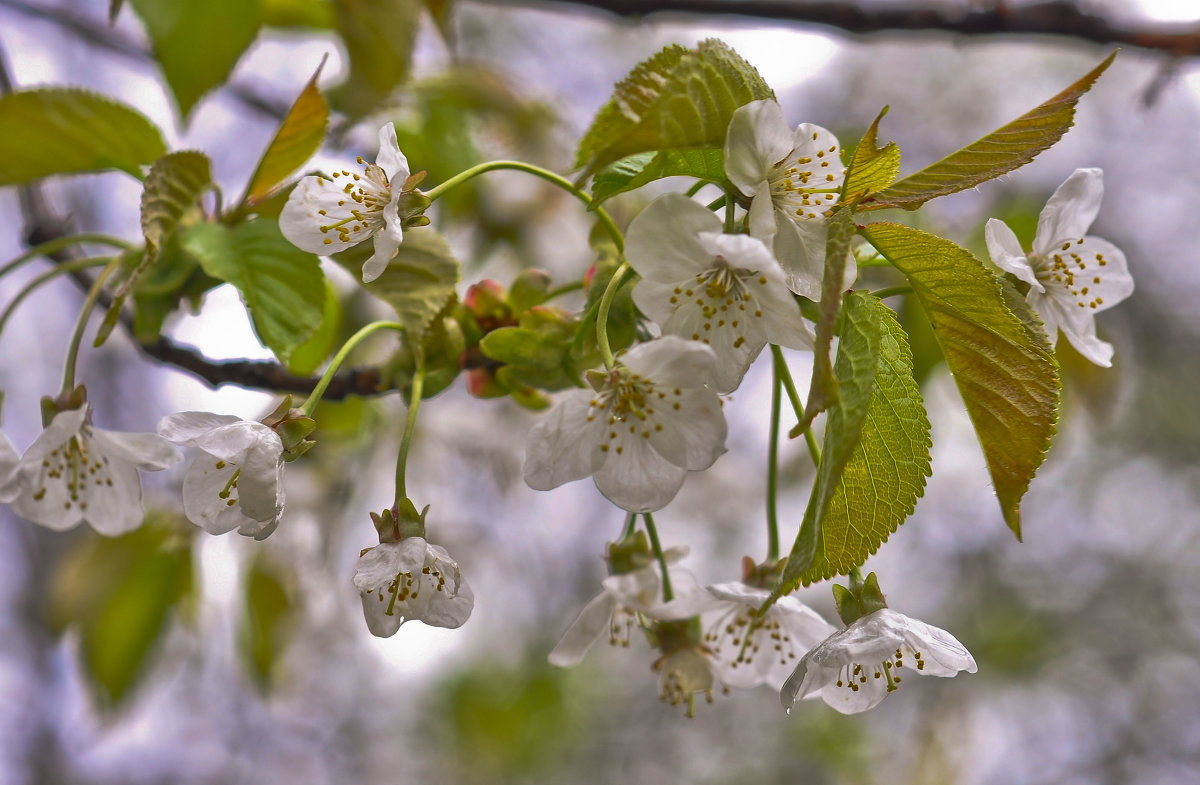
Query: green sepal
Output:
(861,598)
(630,553)
(52,406)
(400,522)
(293,426)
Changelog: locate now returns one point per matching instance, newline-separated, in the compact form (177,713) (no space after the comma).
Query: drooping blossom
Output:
(324,216)
(794,178)
(237,480)
(1072,276)
(647,423)
(855,668)
(411,580)
(76,473)
(725,290)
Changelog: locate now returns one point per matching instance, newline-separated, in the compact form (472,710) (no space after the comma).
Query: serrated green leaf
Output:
(885,476)
(298,138)
(283,287)
(419,281)
(198,42)
(823,390)
(872,168)
(706,163)
(1001,151)
(1003,365)
(59,130)
(379,37)
(856,368)
(679,98)
(120,593)
(267,623)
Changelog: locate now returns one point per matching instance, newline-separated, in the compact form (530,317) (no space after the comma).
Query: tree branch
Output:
(1055,17)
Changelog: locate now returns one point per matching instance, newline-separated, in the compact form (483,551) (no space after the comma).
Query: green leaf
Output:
(885,476)
(308,356)
(283,287)
(1002,363)
(268,621)
(856,368)
(59,130)
(198,42)
(872,168)
(823,391)
(316,14)
(379,37)
(1001,151)
(298,138)
(120,593)
(523,347)
(419,281)
(706,163)
(678,98)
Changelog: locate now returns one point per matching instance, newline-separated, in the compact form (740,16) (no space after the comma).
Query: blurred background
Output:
(175,657)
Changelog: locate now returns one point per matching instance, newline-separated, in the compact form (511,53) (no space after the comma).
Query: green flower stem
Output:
(62,243)
(606,300)
(773,464)
(410,426)
(797,406)
(892,291)
(559,291)
(62,269)
(695,188)
(730,208)
(668,595)
(630,524)
(89,302)
(716,204)
(536,171)
(310,404)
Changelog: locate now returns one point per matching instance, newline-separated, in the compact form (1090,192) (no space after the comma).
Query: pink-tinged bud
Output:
(482,384)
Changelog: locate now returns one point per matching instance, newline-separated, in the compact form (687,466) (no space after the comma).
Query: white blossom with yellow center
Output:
(724,290)
(73,472)
(794,178)
(1071,276)
(648,422)
(237,480)
(324,216)
(855,668)
(411,580)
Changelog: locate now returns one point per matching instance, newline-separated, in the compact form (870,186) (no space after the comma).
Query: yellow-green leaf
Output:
(872,168)
(59,130)
(1002,363)
(707,163)
(885,476)
(298,138)
(678,98)
(1001,151)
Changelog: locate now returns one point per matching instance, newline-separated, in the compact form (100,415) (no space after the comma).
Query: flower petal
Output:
(757,138)
(209,498)
(56,434)
(184,428)
(1082,335)
(692,436)
(565,444)
(800,249)
(1006,252)
(375,606)
(260,486)
(390,159)
(735,347)
(636,478)
(671,361)
(591,623)
(662,242)
(315,203)
(387,241)
(761,216)
(10,463)
(1070,211)
(147,451)
(653,298)
(380,565)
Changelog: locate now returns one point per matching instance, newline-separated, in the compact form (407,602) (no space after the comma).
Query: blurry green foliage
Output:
(379,37)
(267,622)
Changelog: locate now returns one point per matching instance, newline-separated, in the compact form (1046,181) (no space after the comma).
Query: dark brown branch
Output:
(1056,17)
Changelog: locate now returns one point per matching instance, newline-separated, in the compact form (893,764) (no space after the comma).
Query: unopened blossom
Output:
(74,472)
(748,649)
(10,464)
(855,668)
(1072,276)
(647,423)
(624,600)
(236,482)
(324,216)
(794,178)
(725,290)
(411,580)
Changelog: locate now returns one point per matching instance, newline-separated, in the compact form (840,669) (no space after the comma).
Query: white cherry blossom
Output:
(747,649)
(237,480)
(10,464)
(73,472)
(648,422)
(725,290)
(411,580)
(855,668)
(794,178)
(1072,276)
(324,216)
(623,598)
